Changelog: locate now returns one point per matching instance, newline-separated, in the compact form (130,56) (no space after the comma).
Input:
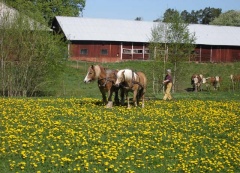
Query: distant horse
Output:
(212,81)
(135,82)
(196,82)
(106,79)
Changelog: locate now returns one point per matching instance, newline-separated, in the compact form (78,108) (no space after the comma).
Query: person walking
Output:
(168,85)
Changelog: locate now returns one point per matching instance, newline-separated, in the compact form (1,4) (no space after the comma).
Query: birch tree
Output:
(177,42)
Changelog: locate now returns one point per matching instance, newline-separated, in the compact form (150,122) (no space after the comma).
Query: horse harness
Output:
(135,82)
(107,79)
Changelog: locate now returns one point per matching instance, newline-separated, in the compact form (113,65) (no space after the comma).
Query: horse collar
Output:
(104,82)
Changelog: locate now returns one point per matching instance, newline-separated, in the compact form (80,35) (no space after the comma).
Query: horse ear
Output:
(92,66)
(123,72)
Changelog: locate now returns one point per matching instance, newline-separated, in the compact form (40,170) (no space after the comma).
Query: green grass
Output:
(72,85)
(214,95)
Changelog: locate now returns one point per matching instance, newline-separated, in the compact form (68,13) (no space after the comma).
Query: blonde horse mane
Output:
(97,70)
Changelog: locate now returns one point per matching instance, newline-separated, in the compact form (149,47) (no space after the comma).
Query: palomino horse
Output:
(196,82)
(133,82)
(106,79)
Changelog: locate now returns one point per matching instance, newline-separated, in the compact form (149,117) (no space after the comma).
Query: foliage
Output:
(80,135)
(209,14)
(174,40)
(138,19)
(169,15)
(32,58)
(202,16)
(181,41)
(159,52)
(229,18)
(46,10)
(181,45)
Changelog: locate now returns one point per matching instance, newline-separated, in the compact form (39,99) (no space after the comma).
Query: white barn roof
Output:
(90,29)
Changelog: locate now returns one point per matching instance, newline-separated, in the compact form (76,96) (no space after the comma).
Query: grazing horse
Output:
(196,82)
(135,82)
(235,79)
(106,80)
(212,81)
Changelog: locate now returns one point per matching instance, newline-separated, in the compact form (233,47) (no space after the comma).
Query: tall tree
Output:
(47,10)
(176,40)
(186,16)
(181,44)
(202,16)
(209,14)
(169,14)
(194,17)
(229,18)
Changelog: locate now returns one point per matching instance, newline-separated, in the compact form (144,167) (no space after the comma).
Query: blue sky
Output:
(150,10)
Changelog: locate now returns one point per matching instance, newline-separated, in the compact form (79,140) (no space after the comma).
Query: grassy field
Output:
(73,132)
(80,135)
(72,85)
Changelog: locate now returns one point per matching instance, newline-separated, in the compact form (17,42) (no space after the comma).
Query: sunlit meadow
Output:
(80,135)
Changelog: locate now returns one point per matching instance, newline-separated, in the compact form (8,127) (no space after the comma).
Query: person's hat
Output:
(169,70)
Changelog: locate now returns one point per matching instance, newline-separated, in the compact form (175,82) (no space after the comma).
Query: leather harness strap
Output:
(135,82)
(106,81)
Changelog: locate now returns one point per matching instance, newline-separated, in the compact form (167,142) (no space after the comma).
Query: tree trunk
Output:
(174,77)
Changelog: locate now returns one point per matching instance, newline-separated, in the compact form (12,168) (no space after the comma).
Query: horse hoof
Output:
(109,105)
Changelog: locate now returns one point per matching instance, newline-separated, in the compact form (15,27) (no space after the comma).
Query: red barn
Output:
(109,40)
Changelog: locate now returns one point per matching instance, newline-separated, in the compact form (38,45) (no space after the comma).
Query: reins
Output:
(135,82)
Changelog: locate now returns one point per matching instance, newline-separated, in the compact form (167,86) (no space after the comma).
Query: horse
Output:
(212,81)
(135,82)
(196,82)
(106,79)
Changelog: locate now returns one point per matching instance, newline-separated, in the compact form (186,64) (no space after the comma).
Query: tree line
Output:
(202,16)
(212,16)
(45,11)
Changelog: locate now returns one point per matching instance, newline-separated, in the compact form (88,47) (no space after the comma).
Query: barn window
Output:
(127,51)
(137,51)
(146,51)
(104,51)
(84,52)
